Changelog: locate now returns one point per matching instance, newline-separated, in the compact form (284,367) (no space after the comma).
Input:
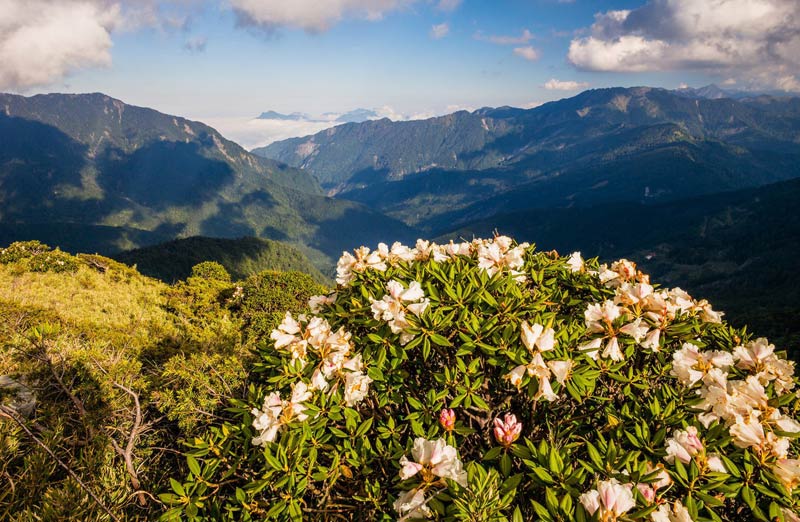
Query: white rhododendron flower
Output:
(788,472)
(412,505)
(599,317)
(690,365)
(611,499)
(683,445)
(276,413)
(363,259)
(758,357)
(675,513)
(537,337)
(317,302)
(618,273)
(356,387)
(575,262)
(498,256)
(649,490)
(433,458)
(397,303)
(561,369)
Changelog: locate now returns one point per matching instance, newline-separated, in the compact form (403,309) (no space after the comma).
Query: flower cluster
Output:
(311,338)
(637,311)
(493,255)
(435,462)
(539,340)
(733,391)
(396,304)
(277,413)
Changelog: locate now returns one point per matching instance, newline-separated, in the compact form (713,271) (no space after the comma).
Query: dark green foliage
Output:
(211,270)
(736,249)
(266,297)
(241,257)
(608,418)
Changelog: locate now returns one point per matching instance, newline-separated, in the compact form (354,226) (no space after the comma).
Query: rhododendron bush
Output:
(487,381)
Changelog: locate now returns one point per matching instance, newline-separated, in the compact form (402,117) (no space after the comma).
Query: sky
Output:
(224,62)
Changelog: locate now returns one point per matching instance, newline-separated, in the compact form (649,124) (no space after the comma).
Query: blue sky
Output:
(236,58)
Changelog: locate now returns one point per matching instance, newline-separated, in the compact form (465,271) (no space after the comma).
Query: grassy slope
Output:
(75,335)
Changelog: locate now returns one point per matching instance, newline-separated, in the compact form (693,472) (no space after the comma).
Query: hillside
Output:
(111,370)
(242,258)
(736,249)
(104,163)
(604,145)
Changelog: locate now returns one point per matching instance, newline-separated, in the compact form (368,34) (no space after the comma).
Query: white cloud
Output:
(251,133)
(43,40)
(523,38)
(311,15)
(528,52)
(439,31)
(448,5)
(557,85)
(533,104)
(757,41)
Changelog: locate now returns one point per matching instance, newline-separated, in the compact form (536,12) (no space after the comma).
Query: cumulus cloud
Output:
(528,52)
(753,40)
(439,31)
(523,38)
(311,15)
(43,40)
(557,85)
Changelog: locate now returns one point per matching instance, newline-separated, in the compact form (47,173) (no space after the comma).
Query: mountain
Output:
(357,116)
(603,145)
(242,258)
(272,115)
(89,160)
(737,249)
(715,92)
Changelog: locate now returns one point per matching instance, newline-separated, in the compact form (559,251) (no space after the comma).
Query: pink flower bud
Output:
(447,418)
(506,431)
(647,491)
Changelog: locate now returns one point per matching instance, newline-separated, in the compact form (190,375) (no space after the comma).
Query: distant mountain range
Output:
(605,145)
(88,161)
(354,116)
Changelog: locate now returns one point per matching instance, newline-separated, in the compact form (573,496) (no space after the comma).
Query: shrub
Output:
(265,297)
(211,270)
(21,250)
(488,381)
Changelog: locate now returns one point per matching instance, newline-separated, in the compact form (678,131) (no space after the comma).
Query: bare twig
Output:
(136,430)
(10,413)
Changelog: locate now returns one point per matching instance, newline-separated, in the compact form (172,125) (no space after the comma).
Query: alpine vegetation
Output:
(485,380)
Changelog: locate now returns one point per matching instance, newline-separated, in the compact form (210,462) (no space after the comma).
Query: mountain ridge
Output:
(102,162)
